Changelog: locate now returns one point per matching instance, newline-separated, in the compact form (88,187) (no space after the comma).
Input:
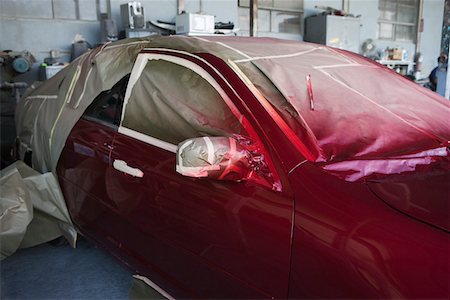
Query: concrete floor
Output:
(61,272)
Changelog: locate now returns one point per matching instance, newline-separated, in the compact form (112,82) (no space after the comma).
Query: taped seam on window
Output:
(127,45)
(234,49)
(277,56)
(276,117)
(344,65)
(52,97)
(341,55)
(380,106)
(199,38)
(148,139)
(69,93)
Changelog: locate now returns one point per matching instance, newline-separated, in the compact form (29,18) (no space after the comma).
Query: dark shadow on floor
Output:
(61,272)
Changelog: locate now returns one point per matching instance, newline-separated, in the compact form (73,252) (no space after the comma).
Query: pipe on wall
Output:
(419,27)
(181,6)
(346,5)
(253,17)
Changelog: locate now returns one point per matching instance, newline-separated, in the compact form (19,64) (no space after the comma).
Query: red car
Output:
(254,168)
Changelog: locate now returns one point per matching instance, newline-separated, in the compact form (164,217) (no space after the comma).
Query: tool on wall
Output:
(20,61)
(132,14)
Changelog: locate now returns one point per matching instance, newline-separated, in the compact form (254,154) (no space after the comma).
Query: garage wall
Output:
(166,10)
(43,25)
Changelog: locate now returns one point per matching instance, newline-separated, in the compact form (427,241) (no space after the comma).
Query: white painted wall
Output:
(433,14)
(166,10)
(29,24)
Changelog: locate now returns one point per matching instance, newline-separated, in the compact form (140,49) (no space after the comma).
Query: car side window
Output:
(172,103)
(107,107)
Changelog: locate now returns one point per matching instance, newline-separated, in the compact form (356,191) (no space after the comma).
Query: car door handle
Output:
(122,166)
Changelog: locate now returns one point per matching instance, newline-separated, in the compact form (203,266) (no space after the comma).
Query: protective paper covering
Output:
(168,91)
(214,157)
(32,209)
(363,114)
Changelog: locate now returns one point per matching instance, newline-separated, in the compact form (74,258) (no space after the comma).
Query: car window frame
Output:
(138,68)
(179,56)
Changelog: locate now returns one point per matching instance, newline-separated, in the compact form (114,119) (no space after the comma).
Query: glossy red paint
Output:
(219,232)
(82,171)
(200,238)
(349,244)
(420,197)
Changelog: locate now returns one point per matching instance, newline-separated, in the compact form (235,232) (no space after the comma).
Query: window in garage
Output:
(172,103)
(274,17)
(397,20)
(83,10)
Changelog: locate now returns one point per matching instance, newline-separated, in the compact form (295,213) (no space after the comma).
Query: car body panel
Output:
(423,197)
(368,249)
(82,170)
(228,229)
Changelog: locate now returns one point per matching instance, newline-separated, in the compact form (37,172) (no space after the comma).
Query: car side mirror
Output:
(220,158)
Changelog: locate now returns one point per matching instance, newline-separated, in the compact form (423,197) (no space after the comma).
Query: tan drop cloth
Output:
(32,209)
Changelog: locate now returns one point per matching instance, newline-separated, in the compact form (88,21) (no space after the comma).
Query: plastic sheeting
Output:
(360,110)
(32,209)
(214,157)
(168,91)
(363,122)
(53,108)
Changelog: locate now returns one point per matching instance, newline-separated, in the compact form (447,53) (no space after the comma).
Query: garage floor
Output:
(61,272)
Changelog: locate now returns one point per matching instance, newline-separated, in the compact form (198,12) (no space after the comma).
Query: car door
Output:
(195,237)
(85,160)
